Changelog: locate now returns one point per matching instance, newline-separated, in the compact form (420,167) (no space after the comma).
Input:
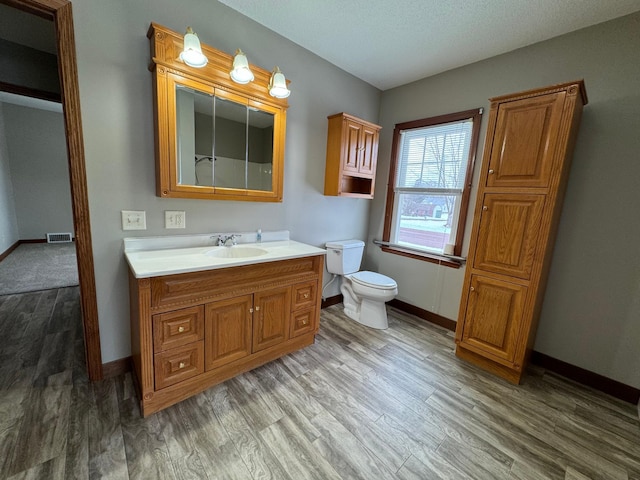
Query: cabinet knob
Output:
(485,208)
(257,308)
(305,321)
(180,329)
(491,171)
(251,310)
(306,295)
(472,289)
(181,365)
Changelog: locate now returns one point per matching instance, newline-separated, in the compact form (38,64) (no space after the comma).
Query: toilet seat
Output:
(374,280)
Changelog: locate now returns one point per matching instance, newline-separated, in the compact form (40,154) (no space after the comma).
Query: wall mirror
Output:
(215,139)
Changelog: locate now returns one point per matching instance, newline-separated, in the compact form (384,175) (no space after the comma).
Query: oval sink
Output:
(236,252)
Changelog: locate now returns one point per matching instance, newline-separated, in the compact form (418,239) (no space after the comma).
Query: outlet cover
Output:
(174,219)
(134,220)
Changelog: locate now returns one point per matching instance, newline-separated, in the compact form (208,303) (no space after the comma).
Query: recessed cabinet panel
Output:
(493,318)
(509,229)
(369,151)
(271,317)
(525,142)
(228,330)
(351,146)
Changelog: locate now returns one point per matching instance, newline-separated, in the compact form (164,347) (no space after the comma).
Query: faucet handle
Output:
(219,239)
(234,237)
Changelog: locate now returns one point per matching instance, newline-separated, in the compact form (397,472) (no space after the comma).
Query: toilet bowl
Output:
(364,292)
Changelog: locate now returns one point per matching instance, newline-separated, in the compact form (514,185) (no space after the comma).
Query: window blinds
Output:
(434,158)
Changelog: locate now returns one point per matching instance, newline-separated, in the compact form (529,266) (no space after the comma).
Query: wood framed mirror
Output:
(215,139)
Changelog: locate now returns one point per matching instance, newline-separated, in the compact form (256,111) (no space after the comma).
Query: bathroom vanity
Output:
(203,314)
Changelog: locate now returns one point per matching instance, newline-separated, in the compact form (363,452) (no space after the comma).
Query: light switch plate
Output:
(134,220)
(174,219)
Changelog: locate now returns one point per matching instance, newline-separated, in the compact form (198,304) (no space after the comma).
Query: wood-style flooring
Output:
(358,404)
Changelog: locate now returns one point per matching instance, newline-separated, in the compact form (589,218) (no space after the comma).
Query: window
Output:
(429,183)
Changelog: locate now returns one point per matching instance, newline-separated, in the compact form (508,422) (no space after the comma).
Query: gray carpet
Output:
(39,266)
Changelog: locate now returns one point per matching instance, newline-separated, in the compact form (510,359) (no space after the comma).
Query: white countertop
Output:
(146,261)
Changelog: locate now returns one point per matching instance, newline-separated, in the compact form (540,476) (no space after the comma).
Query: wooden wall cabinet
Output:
(352,156)
(193,330)
(527,156)
(214,139)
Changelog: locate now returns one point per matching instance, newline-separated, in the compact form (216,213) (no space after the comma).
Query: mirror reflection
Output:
(222,143)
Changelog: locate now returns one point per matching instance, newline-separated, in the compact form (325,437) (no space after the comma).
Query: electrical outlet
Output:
(174,219)
(134,220)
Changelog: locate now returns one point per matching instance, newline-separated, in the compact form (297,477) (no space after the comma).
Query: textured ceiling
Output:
(388,43)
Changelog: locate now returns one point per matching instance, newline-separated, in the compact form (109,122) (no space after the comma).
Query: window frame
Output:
(476,116)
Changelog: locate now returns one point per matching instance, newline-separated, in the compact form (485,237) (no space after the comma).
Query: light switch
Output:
(174,219)
(134,220)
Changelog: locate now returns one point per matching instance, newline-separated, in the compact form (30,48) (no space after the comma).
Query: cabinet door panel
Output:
(368,151)
(227,330)
(525,141)
(351,145)
(509,228)
(271,317)
(493,317)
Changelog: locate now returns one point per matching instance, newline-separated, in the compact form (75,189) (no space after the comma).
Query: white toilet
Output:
(365,293)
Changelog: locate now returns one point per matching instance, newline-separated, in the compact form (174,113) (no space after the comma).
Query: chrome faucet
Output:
(223,240)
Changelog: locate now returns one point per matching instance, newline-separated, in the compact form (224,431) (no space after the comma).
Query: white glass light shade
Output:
(278,85)
(241,72)
(192,53)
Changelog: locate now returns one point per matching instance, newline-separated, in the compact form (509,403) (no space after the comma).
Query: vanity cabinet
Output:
(190,331)
(352,155)
(527,156)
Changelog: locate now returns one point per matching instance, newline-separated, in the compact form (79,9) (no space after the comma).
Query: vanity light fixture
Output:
(192,54)
(278,84)
(241,72)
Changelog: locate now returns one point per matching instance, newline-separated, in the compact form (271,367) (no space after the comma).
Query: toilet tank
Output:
(344,256)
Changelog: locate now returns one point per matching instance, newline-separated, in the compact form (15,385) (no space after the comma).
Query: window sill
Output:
(423,256)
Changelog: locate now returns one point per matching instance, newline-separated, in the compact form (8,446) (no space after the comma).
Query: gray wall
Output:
(117,116)
(8,222)
(39,170)
(591,312)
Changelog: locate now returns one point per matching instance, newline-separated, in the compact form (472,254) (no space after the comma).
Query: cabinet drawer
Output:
(228,282)
(302,322)
(180,327)
(304,295)
(178,364)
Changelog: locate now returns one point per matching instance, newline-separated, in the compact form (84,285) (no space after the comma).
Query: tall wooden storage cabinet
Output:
(527,154)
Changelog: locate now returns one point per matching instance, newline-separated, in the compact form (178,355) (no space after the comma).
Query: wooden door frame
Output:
(61,13)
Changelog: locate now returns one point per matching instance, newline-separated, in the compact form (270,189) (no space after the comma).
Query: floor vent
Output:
(58,237)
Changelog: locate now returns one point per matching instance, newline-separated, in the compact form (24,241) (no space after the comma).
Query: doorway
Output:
(60,12)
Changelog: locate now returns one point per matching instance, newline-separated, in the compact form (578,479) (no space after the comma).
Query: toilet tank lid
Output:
(342,244)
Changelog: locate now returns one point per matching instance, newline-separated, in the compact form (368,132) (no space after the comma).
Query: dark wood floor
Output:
(359,403)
